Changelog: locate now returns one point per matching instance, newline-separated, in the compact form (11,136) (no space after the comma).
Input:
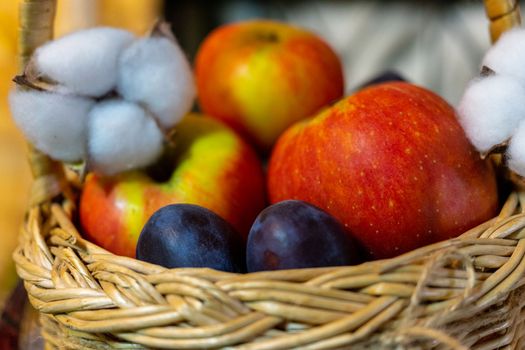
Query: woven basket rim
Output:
(474,280)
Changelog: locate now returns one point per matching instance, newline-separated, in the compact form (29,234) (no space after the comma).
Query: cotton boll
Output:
(85,61)
(491,109)
(516,150)
(121,136)
(507,55)
(155,72)
(55,124)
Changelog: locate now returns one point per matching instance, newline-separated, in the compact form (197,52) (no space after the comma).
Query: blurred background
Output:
(434,43)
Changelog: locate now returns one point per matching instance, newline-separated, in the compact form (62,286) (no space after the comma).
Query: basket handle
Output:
(503,15)
(36,18)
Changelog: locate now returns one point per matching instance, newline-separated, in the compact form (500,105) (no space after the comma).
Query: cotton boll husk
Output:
(507,55)
(55,124)
(155,72)
(121,136)
(491,109)
(84,62)
(516,150)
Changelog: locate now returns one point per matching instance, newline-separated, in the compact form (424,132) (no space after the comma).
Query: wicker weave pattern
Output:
(462,291)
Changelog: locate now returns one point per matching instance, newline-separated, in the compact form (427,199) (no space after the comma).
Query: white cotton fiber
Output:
(156,73)
(55,124)
(85,61)
(516,150)
(491,109)
(507,55)
(121,136)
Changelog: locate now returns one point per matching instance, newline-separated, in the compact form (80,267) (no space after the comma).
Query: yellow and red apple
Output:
(392,164)
(261,76)
(211,167)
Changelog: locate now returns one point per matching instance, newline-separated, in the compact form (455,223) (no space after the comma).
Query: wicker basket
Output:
(466,292)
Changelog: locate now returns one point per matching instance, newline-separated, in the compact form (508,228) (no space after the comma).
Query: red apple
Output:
(261,76)
(212,167)
(392,163)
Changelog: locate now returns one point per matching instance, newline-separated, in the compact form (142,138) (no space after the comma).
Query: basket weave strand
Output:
(464,293)
(503,15)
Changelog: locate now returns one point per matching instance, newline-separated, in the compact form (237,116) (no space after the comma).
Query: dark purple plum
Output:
(294,234)
(389,75)
(186,235)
